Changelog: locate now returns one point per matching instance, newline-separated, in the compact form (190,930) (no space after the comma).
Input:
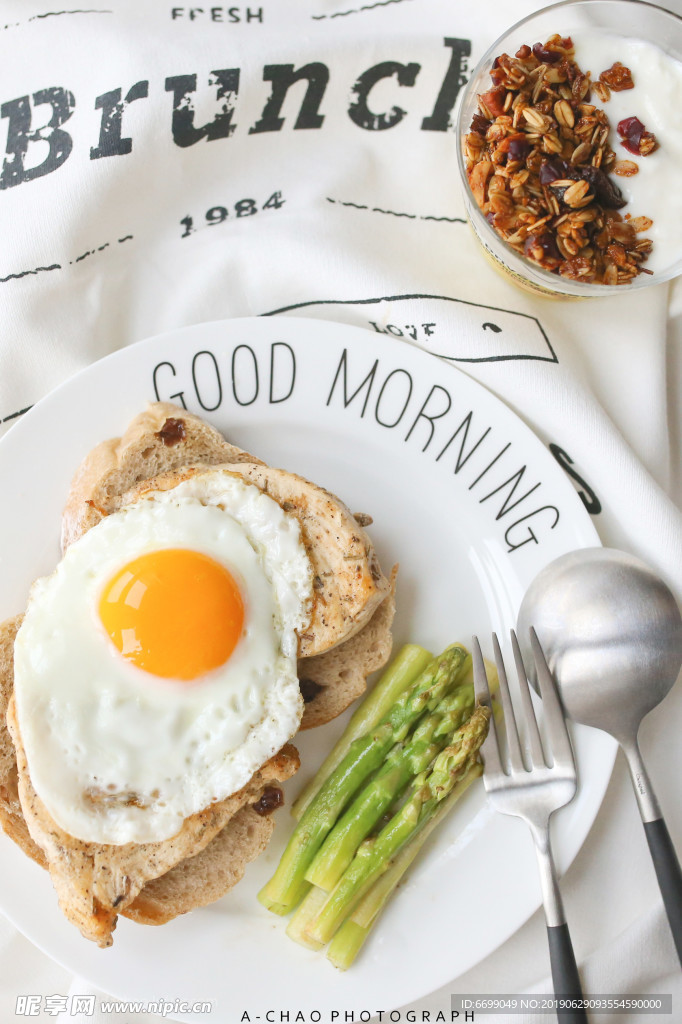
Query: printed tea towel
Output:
(167,164)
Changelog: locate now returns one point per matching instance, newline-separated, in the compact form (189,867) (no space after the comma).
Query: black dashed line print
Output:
(14,415)
(450,220)
(356,10)
(58,266)
(395,213)
(52,14)
(24,273)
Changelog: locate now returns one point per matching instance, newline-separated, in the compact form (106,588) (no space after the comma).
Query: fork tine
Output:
(562,752)
(536,752)
(513,744)
(533,794)
(490,750)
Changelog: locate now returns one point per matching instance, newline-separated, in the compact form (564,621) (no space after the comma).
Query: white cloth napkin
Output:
(153,179)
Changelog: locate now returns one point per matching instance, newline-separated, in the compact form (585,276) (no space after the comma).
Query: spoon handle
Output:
(669,875)
(661,846)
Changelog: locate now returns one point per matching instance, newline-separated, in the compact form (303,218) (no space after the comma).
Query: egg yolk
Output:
(175,613)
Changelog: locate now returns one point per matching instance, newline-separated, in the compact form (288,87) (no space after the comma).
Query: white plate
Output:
(276,387)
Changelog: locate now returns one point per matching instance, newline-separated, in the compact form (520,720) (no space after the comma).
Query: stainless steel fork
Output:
(533,792)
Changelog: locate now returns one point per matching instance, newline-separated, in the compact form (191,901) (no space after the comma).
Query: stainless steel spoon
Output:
(611,631)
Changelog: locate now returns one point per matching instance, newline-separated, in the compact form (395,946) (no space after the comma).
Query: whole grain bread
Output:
(11,815)
(205,877)
(330,682)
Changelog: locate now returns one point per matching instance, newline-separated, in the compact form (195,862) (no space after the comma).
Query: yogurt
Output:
(656,100)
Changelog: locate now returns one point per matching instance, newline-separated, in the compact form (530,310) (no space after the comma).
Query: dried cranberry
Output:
(552,169)
(606,191)
(631,128)
(546,56)
(636,139)
(518,149)
(496,63)
(547,244)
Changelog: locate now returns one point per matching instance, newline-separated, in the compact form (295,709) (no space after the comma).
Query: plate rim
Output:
(268,324)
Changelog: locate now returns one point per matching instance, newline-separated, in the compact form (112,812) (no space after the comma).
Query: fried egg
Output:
(155,669)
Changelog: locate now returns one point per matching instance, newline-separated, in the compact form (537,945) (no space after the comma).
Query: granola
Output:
(538,158)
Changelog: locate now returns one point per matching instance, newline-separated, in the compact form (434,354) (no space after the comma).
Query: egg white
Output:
(93,722)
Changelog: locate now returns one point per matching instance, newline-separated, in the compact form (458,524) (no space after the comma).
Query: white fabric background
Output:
(366,214)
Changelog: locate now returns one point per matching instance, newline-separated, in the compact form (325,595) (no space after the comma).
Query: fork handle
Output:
(565,977)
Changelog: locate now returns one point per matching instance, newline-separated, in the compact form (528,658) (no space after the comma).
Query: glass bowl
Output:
(625,18)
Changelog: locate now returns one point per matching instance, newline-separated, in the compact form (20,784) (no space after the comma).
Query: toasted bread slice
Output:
(11,815)
(96,882)
(330,682)
(162,438)
(204,878)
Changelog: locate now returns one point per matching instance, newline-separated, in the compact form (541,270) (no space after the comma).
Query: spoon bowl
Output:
(612,635)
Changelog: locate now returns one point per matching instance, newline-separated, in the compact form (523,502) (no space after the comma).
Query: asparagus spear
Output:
(305,913)
(372,903)
(454,709)
(403,670)
(374,855)
(288,886)
(402,764)
(347,943)
(351,936)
